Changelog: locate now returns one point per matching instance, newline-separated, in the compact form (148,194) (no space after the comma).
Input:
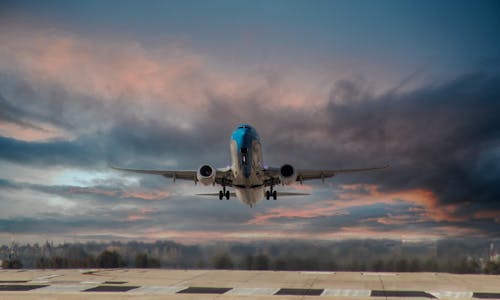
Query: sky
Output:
(327,84)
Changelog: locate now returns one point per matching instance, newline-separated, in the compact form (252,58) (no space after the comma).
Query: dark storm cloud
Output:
(445,138)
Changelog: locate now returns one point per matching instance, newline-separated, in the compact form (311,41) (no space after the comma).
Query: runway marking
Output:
(48,276)
(299,292)
(451,294)
(164,290)
(317,273)
(111,288)
(346,293)
(486,295)
(62,289)
(74,287)
(385,293)
(203,290)
(378,274)
(20,288)
(115,282)
(252,291)
(90,282)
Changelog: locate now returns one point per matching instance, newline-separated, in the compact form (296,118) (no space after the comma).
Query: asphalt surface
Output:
(220,284)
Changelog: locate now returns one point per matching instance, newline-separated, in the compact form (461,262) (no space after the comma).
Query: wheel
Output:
(275,195)
(221,195)
(268,195)
(227,195)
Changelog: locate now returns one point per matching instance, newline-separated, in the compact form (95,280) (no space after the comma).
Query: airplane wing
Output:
(221,175)
(232,194)
(272,174)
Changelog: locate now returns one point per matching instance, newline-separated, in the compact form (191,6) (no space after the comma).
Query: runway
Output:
(220,284)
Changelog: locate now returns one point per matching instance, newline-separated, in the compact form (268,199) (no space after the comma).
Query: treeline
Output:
(107,259)
(456,256)
(263,262)
(112,259)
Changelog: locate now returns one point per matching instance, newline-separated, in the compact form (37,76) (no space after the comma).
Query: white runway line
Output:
(346,293)
(47,277)
(252,291)
(378,274)
(163,290)
(451,295)
(63,289)
(317,273)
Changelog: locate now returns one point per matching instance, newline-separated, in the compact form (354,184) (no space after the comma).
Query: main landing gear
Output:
(271,193)
(224,193)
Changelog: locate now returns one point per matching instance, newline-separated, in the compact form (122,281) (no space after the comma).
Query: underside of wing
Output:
(186,175)
(272,175)
(223,175)
(321,174)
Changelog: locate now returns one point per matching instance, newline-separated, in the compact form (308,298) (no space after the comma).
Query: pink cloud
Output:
(115,70)
(141,215)
(146,195)
(27,133)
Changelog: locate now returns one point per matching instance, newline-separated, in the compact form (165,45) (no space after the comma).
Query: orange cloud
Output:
(425,200)
(488,214)
(423,203)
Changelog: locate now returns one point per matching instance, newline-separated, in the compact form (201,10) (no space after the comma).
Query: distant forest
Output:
(452,255)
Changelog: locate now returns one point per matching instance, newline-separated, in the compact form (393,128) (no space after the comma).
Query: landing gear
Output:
(271,193)
(224,193)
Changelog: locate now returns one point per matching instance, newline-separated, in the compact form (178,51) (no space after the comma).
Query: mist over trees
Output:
(453,255)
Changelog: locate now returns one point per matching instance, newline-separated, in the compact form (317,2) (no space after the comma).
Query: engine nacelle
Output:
(287,174)
(206,175)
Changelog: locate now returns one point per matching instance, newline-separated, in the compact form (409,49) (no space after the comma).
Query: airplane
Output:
(251,180)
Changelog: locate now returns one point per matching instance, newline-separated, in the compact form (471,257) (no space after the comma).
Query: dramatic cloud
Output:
(71,104)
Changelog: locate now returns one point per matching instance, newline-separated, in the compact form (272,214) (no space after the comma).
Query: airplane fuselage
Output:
(247,165)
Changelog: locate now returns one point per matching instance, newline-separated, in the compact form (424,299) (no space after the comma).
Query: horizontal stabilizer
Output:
(279,194)
(215,194)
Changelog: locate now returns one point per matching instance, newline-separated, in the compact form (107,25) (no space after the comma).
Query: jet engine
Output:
(206,175)
(287,174)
